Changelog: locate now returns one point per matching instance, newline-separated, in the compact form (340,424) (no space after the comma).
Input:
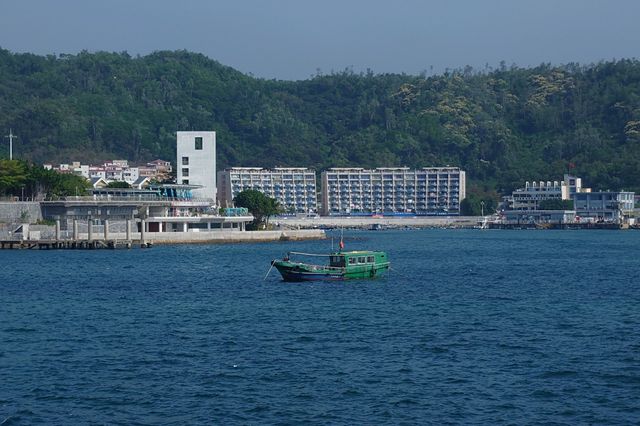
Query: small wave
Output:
(560,374)
(405,402)
(16,418)
(259,409)
(19,330)
(627,379)
(351,392)
(544,394)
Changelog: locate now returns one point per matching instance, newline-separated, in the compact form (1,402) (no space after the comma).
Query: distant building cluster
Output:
(587,205)
(340,192)
(117,170)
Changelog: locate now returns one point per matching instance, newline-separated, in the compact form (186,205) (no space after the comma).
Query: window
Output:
(198,142)
(362,259)
(185,181)
(185,172)
(337,261)
(370,259)
(185,161)
(352,260)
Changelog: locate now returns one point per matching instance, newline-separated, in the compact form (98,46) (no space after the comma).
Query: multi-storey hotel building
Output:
(427,191)
(293,188)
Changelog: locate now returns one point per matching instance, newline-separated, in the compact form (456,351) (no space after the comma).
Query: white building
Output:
(608,206)
(196,162)
(426,191)
(97,172)
(82,170)
(529,197)
(130,175)
(293,187)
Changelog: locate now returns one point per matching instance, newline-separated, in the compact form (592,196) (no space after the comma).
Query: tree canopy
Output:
(258,204)
(19,178)
(118,184)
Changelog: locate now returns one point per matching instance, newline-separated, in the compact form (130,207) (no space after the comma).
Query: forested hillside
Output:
(503,126)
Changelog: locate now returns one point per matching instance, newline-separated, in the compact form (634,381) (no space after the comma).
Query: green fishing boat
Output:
(341,265)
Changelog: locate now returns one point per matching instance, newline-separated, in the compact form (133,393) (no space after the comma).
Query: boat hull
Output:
(303,272)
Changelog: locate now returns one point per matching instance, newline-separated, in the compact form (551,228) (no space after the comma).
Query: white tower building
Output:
(196,162)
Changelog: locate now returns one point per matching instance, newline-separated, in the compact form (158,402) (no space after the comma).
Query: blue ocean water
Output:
(470,327)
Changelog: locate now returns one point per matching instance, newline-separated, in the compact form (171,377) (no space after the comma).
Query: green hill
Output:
(503,126)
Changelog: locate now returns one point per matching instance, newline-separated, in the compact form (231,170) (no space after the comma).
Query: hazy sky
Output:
(292,39)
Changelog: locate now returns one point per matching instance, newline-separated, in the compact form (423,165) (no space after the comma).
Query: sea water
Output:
(470,326)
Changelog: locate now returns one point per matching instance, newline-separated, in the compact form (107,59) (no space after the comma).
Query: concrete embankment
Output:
(17,211)
(232,236)
(40,233)
(383,222)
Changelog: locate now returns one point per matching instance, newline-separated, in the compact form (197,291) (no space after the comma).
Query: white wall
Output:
(202,162)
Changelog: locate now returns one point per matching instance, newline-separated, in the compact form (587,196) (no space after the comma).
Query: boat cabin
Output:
(352,258)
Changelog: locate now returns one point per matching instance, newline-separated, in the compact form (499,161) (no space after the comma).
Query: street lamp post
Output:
(11,137)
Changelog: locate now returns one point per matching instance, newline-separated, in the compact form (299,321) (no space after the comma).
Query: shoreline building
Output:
(161,208)
(293,187)
(588,205)
(606,206)
(393,191)
(196,162)
(529,197)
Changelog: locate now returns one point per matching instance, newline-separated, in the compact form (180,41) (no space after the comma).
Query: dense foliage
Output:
(503,126)
(118,184)
(33,182)
(259,205)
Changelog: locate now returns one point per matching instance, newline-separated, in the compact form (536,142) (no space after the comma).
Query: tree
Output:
(258,204)
(13,176)
(118,184)
(43,183)
(478,201)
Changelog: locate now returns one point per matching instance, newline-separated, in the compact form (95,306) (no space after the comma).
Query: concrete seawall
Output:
(231,236)
(390,222)
(47,233)
(20,211)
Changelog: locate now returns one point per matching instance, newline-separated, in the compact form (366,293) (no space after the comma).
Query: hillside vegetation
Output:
(502,126)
